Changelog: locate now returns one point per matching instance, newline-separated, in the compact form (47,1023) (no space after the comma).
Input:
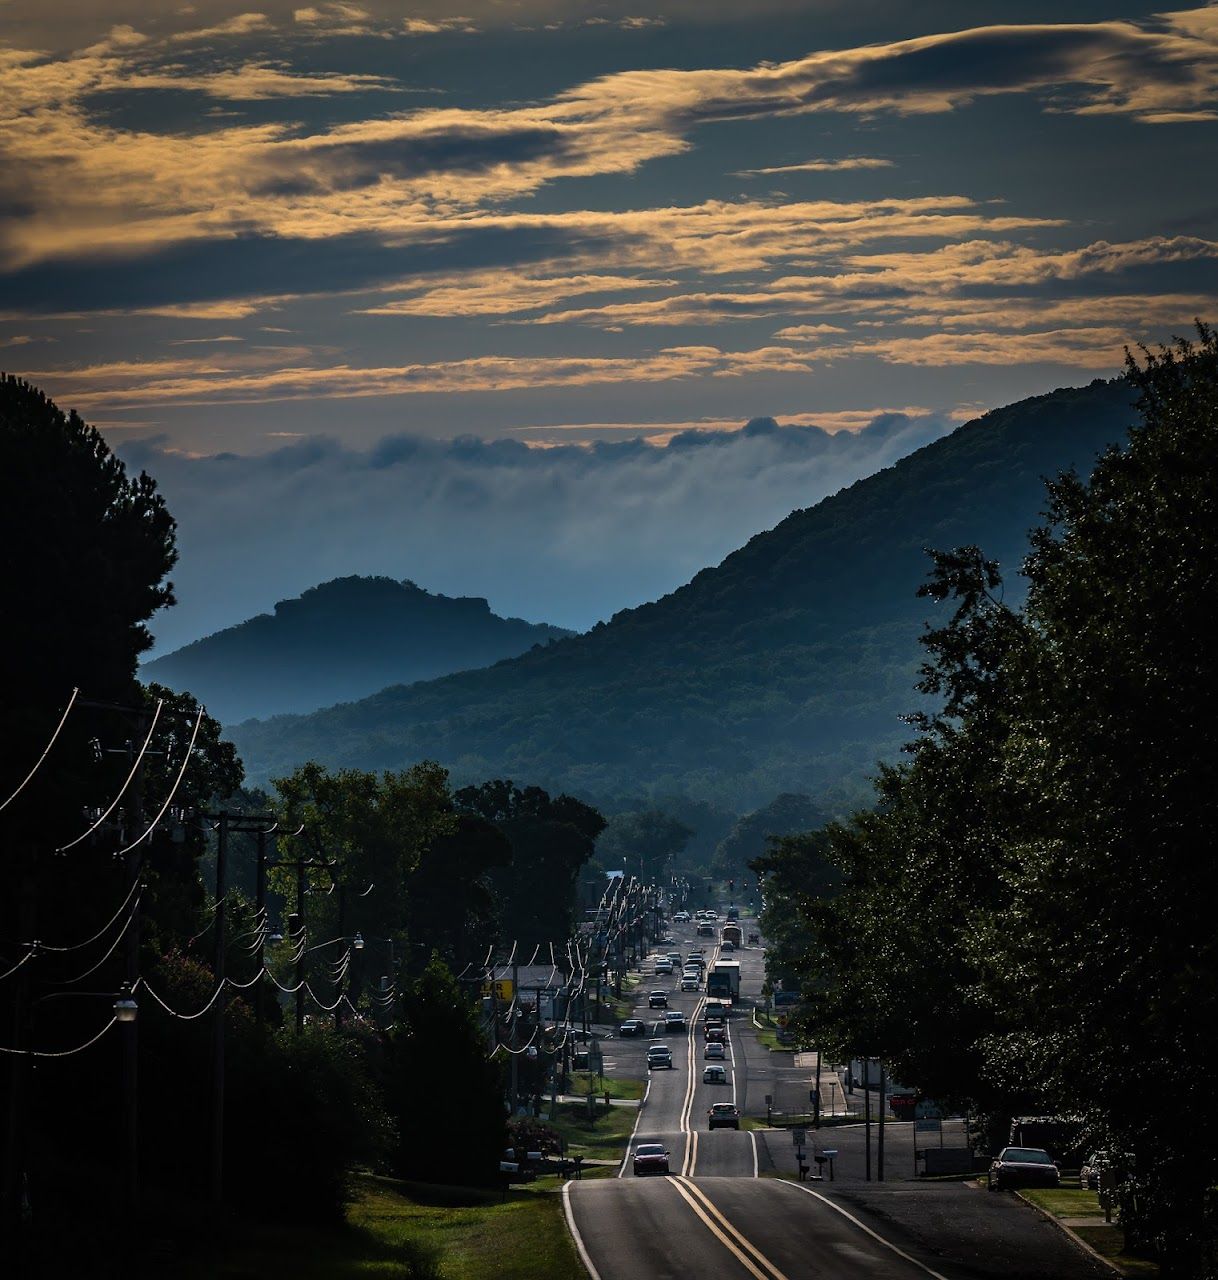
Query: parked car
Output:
(657,999)
(714,1074)
(650,1157)
(724,1115)
(1023,1167)
(632,1027)
(715,1049)
(903,1105)
(1093,1166)
(659,1056)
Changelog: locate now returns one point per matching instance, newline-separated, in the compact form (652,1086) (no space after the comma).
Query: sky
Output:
(481,294)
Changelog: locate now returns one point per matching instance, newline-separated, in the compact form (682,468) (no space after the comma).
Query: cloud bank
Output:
(564,534)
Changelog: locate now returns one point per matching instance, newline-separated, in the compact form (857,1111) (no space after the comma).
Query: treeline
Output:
(1024,922)
(357,915)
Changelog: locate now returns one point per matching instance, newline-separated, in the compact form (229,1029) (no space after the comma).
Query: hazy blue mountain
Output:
(785,668)
(340,641)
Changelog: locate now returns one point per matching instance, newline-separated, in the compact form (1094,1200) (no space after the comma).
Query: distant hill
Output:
(785,668)
(340,641)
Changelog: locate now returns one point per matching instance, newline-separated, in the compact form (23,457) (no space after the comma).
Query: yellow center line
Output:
(727,1234)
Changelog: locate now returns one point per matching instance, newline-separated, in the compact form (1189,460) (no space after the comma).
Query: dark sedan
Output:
(1023,1167)
(632,1027)
(723,1115)
(650,1157)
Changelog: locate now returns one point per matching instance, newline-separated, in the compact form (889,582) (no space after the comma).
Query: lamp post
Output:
(126,1013)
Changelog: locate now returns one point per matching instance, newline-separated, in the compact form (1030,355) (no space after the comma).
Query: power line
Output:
(156,715)
(62,1053)
(46,751)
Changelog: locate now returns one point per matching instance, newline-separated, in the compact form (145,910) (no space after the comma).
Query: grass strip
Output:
(412,1232)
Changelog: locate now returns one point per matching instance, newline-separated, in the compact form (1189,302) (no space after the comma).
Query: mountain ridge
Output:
(784,668)
(340,641)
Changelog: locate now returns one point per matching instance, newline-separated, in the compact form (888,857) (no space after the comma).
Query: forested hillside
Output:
(785,668)
(340,641)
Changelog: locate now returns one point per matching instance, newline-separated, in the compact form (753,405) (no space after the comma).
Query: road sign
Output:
(928,1125)
(799,1137)
(501,989)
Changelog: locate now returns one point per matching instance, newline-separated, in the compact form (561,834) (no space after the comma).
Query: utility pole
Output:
(14,1164)
(260,921)
(867,1113)
(216,1180)
(880,1137)
(515,1006)
(338,981)
(300,947)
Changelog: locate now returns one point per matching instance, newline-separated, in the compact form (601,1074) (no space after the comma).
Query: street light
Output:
(125,1007)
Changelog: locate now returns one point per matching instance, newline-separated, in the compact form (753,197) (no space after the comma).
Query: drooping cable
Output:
(61,1053)
(156,715)
(93,968)
(46,751)
(177,782)
(79,946)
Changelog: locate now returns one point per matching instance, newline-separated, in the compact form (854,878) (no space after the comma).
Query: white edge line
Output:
(862,1226)
(621,1173)
(580,1247)
(753,1135)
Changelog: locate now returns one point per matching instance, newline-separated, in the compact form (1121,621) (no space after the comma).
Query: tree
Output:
(646,843)
(441,1086)
(551,838)
(785,815)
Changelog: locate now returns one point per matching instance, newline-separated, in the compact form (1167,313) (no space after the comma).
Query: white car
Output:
(690,983)
(664,966)
(714,1075)
(714,1050)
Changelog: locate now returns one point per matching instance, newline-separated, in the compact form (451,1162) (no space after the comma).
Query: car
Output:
(650,1157)
(690,984)
(724,1115)
(1093,1166)
(733,913)
(632,1027)
(714,1074)
(681,917)
(657,999)
(903,1105)
(675,957)
(715,1049)
(714,1035)
(663,966)
(754,939)
(706,930)
(715,1018)
(1023,1167)
(727,945)
(674,1020)
(580,1058)
(659,1056)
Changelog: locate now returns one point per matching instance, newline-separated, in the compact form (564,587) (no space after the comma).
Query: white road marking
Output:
(630,1142)
(580,1247)
(753,1136)
(862,1226)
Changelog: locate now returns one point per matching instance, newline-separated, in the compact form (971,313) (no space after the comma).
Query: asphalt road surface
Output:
(719,1216)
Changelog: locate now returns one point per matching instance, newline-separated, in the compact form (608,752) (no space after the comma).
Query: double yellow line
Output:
(746,1253)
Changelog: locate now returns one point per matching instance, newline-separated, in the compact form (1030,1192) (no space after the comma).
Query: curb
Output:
(1074,1237)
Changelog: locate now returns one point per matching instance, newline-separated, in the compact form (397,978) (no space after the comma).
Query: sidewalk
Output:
(833,1101)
